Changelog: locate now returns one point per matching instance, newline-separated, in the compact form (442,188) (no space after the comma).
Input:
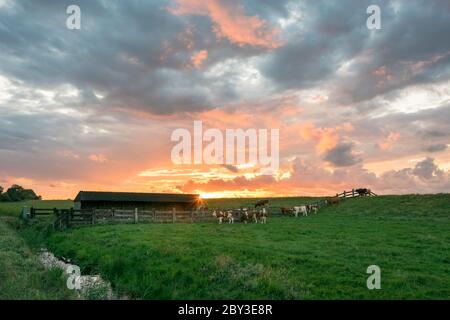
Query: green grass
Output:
(21,274)
(14,208)
(322,256)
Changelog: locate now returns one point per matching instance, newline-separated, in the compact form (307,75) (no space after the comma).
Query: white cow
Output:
(300,209)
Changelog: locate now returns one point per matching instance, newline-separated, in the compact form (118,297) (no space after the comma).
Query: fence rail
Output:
(354,193)
(65,218)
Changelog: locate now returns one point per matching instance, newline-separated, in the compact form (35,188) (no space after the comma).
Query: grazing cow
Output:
(287,211)
(245,217)
(261,203)
(249,216)
(229,216)
(312,208)
(334,201)
(300,209)
(219,215)
(262,216)
(362,192)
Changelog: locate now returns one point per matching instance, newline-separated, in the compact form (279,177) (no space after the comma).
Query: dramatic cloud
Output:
(94,108)
(231,22)
(436,147)
(342,155)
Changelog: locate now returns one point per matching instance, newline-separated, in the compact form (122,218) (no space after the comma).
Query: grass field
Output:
(21,274)
(322,256)
(14,208)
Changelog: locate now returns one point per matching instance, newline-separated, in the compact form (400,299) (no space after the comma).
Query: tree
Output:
(18,193)
(1,189)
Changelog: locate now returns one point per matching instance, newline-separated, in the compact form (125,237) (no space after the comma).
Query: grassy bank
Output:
(21,275)
(324,256)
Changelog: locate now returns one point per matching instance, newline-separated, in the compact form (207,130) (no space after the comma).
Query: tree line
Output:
(17,193)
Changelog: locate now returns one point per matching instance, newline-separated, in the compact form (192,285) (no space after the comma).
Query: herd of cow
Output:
(259,215)
(244,215)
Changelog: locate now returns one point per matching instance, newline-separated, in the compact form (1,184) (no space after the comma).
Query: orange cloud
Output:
(198,58)
(389,141)
(326,138)
(98,158)
(231,22)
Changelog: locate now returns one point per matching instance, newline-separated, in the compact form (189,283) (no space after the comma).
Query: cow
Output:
(219,215)
(300,209)
(229,216)
(362,192)
(245,217)
(261,203)
(249,216)
(312,208)
(262,216)
(334,201)
(287,211)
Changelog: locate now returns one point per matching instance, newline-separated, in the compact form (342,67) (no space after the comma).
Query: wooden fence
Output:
(353,194)
(65,218)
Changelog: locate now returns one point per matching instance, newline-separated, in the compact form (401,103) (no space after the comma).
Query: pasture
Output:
(323,256)
(22,276)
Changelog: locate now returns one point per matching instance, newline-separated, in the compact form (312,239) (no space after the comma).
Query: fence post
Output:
(135,215)
(66,220)
(93,217)
(353,192)
(173,215)
(192,216)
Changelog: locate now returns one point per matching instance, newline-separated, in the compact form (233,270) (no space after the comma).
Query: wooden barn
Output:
(129,200)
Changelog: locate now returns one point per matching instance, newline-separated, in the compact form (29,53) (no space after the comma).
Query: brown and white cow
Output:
(300,209)
(249,216)
(287,211)
(312,208)
(261,215)
(221,216)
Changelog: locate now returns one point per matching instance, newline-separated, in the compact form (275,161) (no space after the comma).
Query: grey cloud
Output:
(426,169)
(436,147)
(413,33)
(136,54)
(342,155)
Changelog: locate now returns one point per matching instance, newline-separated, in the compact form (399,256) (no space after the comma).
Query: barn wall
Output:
(133,205)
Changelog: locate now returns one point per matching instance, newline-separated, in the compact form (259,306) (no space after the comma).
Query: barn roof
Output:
(135,197)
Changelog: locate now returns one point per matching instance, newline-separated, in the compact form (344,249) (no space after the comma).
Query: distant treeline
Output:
(17,193)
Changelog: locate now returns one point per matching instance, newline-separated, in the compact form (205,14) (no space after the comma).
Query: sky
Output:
(94,109)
